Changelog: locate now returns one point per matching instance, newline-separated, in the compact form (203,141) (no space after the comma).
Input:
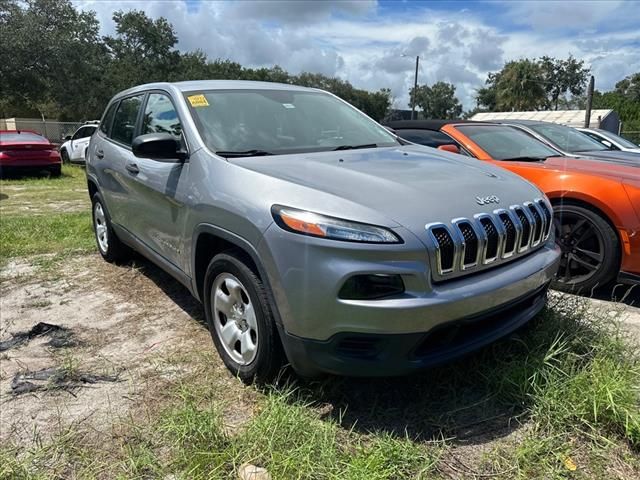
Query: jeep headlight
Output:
(317,225)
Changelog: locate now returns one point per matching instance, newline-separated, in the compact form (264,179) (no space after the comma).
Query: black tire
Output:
(114,251)
(268,359)
(590,249)
(55,171)
(65,156)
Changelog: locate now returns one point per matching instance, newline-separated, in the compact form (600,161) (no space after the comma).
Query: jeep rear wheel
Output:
(590,249)
(240,319)
(109,245)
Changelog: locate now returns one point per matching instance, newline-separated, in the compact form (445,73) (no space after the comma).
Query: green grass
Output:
(565,389)
(43,215)
(22,235)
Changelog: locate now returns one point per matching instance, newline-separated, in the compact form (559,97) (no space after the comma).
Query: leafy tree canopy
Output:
(54,63)
(539,84)
(437,101)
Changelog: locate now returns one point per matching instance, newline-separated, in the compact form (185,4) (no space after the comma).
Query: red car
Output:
(23,151)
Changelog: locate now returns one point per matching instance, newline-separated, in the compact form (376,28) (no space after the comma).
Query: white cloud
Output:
(355,41)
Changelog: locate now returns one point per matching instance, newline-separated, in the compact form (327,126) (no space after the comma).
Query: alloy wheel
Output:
(582,246)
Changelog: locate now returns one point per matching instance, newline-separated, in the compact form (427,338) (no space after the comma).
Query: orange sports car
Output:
(596,203)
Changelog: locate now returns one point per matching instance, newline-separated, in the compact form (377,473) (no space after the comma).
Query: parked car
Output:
(611,140)
(569,141)
(312,233)
(596,203)
(23,151)
(74,148)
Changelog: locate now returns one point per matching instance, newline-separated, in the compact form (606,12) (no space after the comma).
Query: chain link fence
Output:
(53,130)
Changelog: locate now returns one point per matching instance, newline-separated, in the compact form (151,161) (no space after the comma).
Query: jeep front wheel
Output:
(240,319)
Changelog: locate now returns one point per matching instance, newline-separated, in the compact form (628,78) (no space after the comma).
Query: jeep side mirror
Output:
(67,138)
(449,148)
(158,146)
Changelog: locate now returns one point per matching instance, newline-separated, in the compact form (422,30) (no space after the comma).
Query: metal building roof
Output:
(572,118)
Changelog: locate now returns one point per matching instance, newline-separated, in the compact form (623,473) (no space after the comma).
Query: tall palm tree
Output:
(521,86)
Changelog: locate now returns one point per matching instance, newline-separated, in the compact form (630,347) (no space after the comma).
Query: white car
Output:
(611,140)
(75,146)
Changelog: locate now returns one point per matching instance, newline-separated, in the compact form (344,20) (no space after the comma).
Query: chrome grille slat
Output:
(465,245)
(537,230)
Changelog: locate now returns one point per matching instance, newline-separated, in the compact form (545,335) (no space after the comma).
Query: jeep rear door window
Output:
(160,116)
(567,138)
(105,124)
(506,143)
(124,123)
(281,122)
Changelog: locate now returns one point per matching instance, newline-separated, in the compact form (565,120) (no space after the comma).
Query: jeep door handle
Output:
(132,168)
(99,154)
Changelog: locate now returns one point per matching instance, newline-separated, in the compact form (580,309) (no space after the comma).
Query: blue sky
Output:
(364,41)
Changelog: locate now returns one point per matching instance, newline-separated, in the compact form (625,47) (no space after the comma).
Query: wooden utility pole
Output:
(587,113)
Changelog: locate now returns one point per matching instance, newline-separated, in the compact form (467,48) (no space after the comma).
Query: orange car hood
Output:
(604,168)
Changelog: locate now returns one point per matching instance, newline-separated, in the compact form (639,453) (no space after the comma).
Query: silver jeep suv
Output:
(311,233)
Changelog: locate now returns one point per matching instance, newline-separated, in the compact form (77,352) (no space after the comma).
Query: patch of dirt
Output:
(126,323)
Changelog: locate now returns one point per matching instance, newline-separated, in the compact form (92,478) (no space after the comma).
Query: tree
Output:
(54,63)
(630,87)
(627,108)
(142,50)
(519,86)
(437,101)
(544,83)
(487,96)
(561,77)
(49,54)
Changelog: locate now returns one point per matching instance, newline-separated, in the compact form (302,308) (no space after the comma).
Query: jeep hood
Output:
(411,185)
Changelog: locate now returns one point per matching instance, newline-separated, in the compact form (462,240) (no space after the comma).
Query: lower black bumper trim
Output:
(359,354)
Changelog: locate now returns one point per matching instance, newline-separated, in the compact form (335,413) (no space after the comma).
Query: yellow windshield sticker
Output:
(198,100)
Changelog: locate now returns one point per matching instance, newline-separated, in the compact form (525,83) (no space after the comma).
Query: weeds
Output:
(560,398)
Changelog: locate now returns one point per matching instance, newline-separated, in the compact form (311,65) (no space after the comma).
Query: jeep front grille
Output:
(464,245)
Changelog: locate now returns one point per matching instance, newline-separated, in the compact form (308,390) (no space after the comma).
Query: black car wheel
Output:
(64,155)
(590,249)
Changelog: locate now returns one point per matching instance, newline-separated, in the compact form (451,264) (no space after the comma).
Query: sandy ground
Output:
(126,322)
(132,323)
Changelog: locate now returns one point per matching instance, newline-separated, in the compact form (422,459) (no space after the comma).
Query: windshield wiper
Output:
(525,159)
(354,147)
(244,153)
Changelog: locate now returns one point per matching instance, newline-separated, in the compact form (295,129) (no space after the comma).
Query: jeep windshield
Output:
(237,123)
(507,143)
